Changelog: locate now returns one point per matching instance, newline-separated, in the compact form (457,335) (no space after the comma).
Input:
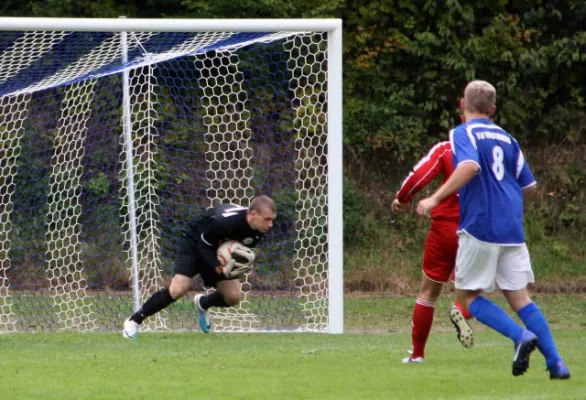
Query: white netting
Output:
(108,151)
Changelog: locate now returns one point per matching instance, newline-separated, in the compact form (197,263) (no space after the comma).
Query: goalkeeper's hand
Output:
(240,263)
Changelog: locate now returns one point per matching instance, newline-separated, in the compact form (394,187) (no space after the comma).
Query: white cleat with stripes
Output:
(411,360)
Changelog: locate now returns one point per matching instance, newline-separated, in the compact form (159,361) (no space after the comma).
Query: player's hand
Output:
(397,206)
(233,269)
(219,270)
(225,270)
(426,205)
(239,264)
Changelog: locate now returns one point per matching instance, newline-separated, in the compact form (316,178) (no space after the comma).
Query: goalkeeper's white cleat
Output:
(130,329)
(411,360)
(203,316)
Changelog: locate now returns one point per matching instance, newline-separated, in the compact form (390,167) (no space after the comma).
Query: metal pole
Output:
(335,183)
(128,149)
(166,25)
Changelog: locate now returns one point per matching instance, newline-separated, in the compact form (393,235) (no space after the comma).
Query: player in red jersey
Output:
(439,257)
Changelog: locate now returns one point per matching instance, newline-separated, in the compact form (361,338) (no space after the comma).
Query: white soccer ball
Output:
(225,251)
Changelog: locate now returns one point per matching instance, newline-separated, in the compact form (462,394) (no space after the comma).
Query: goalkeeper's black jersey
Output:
(219,224)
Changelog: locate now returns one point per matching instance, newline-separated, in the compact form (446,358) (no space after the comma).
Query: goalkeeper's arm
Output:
(208,243)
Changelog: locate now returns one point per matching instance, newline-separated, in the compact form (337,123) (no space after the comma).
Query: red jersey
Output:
(437,161)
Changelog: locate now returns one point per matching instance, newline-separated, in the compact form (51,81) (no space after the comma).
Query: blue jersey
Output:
(491,204)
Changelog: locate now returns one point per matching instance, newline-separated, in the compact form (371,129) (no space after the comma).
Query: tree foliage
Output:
(406,62)
(413,59)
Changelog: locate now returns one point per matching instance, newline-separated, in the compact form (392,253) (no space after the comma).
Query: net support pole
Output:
(129,151)
(335,182)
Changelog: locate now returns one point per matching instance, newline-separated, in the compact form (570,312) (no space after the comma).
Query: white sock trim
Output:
(425,303)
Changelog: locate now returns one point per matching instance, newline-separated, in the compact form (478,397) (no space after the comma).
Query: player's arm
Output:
(528,195)
(425,171)
(210,239)
(467,167)
(525,179)
(461,176)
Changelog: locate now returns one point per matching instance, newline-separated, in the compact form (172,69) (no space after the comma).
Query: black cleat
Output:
(559,371)
(523,349)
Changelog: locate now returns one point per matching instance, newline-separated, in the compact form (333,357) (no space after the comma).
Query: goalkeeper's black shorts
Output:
(190,262)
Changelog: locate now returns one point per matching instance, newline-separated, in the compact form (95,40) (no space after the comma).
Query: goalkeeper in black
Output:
(198,246)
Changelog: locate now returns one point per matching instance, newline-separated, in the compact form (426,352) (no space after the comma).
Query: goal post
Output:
(115,133)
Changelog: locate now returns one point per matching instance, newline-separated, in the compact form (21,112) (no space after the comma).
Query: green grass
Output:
(294,366)
(104,366)
(37,312)
(385,314)
(384,251)
(392,262)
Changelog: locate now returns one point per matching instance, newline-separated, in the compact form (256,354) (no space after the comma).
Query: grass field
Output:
(361,364)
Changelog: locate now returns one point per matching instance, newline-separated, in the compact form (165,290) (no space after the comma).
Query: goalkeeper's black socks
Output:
(214,299)
(156,303)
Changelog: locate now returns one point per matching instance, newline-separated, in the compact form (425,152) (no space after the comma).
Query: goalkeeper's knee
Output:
(232,298)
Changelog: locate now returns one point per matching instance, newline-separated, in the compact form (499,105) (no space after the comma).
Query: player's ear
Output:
(462,104)
(491,110)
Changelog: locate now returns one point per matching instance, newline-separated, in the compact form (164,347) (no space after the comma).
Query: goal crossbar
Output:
(168,25)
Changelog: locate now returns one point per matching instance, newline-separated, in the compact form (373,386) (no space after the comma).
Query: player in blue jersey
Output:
(494,182)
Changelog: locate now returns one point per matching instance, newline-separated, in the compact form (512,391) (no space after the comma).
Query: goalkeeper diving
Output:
(197,254)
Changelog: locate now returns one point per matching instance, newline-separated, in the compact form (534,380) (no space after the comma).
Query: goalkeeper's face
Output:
(261,221)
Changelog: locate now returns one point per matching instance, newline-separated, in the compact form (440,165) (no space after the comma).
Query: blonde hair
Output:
(480,97)
(262,203)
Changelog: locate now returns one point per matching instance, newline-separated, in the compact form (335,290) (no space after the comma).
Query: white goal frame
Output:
(334,134)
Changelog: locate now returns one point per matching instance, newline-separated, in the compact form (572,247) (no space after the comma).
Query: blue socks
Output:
(534,320)
(494,317)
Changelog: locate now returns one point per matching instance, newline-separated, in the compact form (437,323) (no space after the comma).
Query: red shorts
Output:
(441,247)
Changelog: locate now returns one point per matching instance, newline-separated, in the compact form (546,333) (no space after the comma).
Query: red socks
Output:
(422,321)
(463,310)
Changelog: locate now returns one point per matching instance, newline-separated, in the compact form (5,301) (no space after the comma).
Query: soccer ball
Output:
(225,251)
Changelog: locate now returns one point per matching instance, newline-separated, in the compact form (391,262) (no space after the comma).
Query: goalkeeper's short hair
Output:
(262,203)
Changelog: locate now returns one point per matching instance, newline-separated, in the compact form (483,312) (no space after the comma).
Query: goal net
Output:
(112,141)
